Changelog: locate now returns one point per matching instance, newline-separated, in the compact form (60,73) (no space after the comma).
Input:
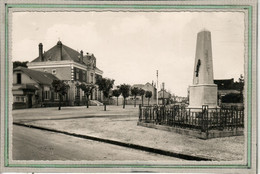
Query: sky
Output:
(131,46)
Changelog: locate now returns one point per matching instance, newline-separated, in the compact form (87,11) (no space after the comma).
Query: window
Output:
(77,74)
(53,71)
(84,76)
(19,99)
(46,95)
(56,96)
(19,78)
(78,92)
(92,78)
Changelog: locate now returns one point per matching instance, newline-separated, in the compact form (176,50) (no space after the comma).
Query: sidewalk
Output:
(121,125)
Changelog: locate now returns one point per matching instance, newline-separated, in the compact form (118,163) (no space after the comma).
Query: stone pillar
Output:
(203,91)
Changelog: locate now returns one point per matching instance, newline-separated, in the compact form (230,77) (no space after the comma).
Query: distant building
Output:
(227,86)
(229,91)
(71,66)
(148,87)
(32,88)
(179,99)
(164,96)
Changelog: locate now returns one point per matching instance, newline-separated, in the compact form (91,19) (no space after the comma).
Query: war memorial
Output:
(203,91)
(202,118)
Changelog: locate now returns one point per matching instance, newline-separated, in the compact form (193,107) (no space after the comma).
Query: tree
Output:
(116,93)
(87,88)
(124,88)
(105,85)
(135,92)
(148,94)
(241,86)
(18,63)
(141,93)
(61,88)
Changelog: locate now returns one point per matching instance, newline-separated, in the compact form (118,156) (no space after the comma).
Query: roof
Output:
(66,53)
(29,86)
(89,60)
(98,70)
(39,76)
(149,84)
(165,93)
(138,85)
(225,84)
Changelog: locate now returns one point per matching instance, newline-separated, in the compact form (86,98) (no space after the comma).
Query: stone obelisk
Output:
(203,91)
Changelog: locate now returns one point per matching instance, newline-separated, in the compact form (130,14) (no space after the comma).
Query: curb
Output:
(192,132)
(128,145)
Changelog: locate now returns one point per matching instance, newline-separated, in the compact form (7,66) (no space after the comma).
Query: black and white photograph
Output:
(133,87)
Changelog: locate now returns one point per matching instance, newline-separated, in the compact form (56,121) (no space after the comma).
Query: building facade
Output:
(226,86)
(229,88)
(164,97)
(32,88)
(71,66)
(148,87)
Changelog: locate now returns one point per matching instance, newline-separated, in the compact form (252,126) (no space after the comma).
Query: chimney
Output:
(81,56)
(40,52)
(60,47)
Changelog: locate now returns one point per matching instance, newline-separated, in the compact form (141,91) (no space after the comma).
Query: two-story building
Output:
(71,66)
(164,97)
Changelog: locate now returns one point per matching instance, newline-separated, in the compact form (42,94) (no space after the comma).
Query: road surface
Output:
(34,144)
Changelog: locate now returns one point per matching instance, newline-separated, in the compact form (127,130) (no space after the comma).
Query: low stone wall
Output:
(195,133)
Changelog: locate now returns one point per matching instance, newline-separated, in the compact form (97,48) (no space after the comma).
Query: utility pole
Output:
(157,88)
(163,93)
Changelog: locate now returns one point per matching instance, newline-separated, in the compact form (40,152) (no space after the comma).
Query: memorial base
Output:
(203,94)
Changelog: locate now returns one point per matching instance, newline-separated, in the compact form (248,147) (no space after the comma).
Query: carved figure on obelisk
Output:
(203,91)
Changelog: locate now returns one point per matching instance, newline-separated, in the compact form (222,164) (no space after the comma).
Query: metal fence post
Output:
(140,113)
(205,119)
(232,117)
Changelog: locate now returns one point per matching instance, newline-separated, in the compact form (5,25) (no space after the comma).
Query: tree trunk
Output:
(135,101)
(59,101)
(117,101)
(105,105)
(124,104)
(148,101)
(142,100)
(87,100)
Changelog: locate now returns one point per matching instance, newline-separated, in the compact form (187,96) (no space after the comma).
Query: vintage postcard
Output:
(128,86)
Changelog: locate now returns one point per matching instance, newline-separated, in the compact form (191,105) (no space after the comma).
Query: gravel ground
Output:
(121,125)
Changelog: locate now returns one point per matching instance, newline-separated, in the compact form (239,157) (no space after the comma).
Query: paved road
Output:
(34,144)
